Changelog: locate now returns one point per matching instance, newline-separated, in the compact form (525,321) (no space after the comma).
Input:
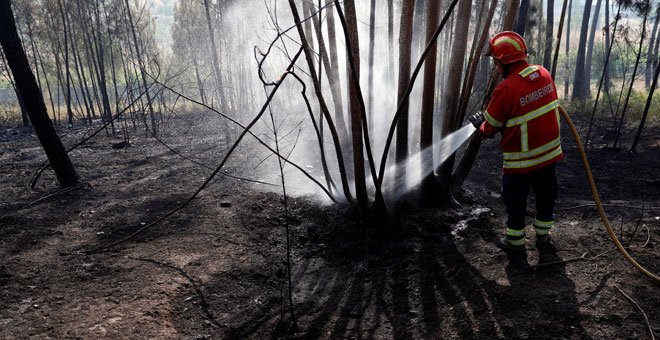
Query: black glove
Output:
(477,119)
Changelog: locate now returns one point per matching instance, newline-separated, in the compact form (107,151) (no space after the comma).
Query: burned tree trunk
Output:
(36,108)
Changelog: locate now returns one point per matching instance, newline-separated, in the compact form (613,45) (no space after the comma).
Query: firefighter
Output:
(524,109)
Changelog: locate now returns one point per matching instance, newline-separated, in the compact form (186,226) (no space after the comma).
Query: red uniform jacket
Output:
(524,109)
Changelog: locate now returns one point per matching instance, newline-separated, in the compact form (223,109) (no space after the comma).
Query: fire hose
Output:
(599,205)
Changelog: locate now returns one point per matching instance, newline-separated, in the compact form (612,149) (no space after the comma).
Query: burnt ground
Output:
(216,269)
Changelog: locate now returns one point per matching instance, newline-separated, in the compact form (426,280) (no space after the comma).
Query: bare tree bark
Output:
(580,79)
(26,83)
(451,93)
(459,175)
(215,60)
(474,145)
(337,97)
(549,27)
(357,111)
(65,27)
(559,33)
(590,44)
(567,81)
(372,43)
(603,76)
(522,18)
(428,92)
(405,42)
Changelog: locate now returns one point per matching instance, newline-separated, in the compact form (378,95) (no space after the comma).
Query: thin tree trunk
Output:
(428,97)
(405,42)
(335,88)
(215,60)
(645,113)
(632,78)
(606,70)
(549,27)
(648,75)
(590,45)
(390,39)
(472,150)
(451,94)
(100,67)
(559,33)
(143,72)
(66,63)
(603,76)
(77,63)
(567,80)
(522,18)
(357,111)
(322,104)
(580,79)
(459,175)
(370,79)
(26,83)
(428,92)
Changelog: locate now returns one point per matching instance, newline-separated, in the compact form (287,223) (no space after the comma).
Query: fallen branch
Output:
(646,318)
(583,257)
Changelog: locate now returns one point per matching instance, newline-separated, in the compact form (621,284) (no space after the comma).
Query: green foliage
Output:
(636,108)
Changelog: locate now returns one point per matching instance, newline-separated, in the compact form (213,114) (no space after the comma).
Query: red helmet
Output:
(507,47)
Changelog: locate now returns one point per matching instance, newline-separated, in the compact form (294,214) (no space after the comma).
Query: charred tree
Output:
(357,110)
(36,107)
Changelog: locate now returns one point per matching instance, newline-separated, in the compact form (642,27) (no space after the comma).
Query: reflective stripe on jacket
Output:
(524,109)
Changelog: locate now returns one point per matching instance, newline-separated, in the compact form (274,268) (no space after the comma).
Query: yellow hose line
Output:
(594,192)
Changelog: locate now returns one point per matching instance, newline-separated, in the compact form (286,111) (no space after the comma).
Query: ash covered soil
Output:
(216,269)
